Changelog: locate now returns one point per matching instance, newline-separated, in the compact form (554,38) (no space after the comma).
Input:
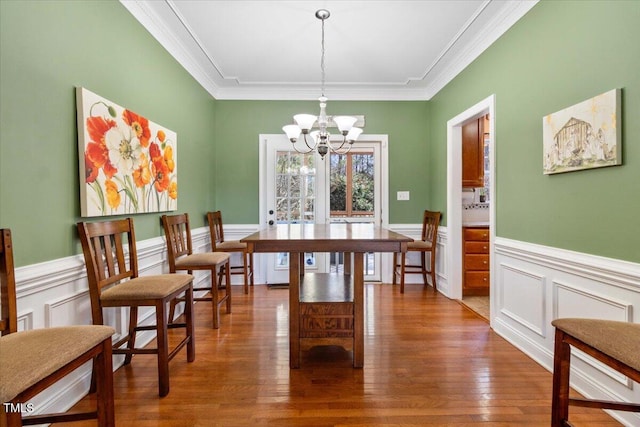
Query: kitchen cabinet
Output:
(475,242)
(473,153)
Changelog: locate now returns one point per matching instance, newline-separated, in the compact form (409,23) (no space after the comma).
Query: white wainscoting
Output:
(535,284)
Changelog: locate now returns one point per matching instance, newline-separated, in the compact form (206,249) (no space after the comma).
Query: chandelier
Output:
(314,128)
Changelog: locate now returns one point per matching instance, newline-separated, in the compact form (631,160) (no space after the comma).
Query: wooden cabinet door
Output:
(473,154)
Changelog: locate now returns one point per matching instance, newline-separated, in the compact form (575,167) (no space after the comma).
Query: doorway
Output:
(454,197)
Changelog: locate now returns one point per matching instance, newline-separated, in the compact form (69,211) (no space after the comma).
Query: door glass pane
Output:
(338,183)
(295,195)
(352,198)
(362,195)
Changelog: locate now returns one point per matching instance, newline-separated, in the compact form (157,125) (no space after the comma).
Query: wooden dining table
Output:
(326,307)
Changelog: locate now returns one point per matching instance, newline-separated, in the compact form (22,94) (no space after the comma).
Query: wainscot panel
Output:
(536,284)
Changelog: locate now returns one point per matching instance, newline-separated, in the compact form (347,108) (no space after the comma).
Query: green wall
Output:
(238,124)
(560,53)
(47,48)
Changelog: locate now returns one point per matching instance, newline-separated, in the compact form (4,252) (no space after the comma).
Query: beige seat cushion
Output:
(212,259)
(418,245)
(28,357)
(620,340)
(146,287)
(231,245)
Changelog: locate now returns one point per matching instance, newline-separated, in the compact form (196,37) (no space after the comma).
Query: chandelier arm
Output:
(336,150)
(307,143)
(340,150)
(301,151)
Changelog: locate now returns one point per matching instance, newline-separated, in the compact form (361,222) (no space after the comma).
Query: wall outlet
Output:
(403,195)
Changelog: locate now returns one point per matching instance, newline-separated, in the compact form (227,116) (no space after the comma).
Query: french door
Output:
(303,188)
(294,194)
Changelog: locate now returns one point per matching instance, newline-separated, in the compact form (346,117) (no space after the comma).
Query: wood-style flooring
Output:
(429,361)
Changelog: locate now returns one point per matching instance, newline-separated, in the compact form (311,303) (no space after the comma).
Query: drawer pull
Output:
(484,279)
(484,247)
(484,262)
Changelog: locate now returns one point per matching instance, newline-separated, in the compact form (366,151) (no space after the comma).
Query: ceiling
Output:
(375,50)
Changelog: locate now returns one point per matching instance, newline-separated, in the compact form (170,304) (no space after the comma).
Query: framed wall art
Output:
(584,136)
(128,164)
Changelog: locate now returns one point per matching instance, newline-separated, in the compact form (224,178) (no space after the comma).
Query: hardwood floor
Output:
(429,361)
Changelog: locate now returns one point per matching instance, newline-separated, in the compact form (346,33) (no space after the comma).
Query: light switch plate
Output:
(403,195)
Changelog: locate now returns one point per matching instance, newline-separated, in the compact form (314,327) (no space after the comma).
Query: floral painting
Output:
(583,136)
(128,164)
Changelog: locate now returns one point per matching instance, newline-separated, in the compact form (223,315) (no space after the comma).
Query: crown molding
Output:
(508,15)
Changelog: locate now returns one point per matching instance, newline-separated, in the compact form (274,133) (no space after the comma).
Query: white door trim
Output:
(454,193)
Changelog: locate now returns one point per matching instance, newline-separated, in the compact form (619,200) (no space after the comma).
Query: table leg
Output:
(347,262)
(294,310)
(358,310)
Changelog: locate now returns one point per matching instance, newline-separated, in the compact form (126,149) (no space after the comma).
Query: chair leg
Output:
(172,309)
(395,268)
(432,258)
(423,267)
(188,315)
(131,342)
(245,270)
(214,299)
(103,366)
(227,275)
(163,347)
(561,369)
(251,268)
(13,418)
(403,261)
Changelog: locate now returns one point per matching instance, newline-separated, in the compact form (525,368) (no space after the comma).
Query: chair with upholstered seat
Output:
(177,232)
(426,244)
(114,282)
(33,360)
(219,244)
(616,344)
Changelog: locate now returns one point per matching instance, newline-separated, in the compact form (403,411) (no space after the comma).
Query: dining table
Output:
(326,307)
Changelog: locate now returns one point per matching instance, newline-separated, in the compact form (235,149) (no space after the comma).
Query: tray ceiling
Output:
(375,50)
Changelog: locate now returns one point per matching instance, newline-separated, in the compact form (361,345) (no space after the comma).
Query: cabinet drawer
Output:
(476,234)
(476,247)
(476,279)
(476,262)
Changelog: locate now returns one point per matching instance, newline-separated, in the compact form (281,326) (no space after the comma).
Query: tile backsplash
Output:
(475,212)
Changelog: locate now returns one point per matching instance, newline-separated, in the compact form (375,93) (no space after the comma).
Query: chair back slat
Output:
(215,228)
(103,245)
(430,222)
(178,235)
(8,307)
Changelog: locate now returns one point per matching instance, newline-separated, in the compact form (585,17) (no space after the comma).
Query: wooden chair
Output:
(114,282)
(427,243)
(181,257)
(616,344)
(31,361)
(218,244)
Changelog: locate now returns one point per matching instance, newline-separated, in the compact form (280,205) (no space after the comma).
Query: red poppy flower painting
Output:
(128,164)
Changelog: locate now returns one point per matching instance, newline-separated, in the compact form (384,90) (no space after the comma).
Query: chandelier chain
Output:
(322,68)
